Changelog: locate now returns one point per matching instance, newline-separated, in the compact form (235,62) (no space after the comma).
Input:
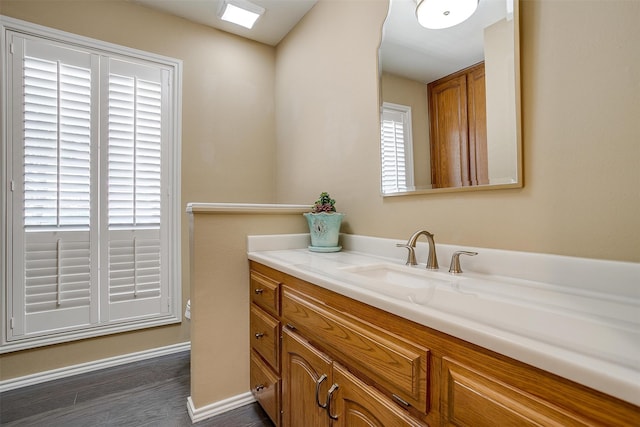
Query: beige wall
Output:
(403,91)
(228,133)
(220,341)
(581,133)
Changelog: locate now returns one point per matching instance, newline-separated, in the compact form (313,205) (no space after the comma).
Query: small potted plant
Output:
(324,225)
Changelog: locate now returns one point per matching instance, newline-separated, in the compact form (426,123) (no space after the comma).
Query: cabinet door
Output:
(356,404)
(306,377)
(458,129)
(449,133)
(477,118)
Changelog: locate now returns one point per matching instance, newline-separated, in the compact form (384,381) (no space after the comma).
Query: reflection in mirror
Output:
(450,101)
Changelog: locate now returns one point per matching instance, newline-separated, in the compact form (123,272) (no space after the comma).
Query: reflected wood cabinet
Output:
(458,131)
(337,362)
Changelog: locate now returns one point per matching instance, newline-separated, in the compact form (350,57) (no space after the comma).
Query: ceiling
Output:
(407,49)
(424,55)
(280,16)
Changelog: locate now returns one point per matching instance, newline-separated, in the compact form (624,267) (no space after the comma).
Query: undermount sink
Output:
(406,283)
(544,310)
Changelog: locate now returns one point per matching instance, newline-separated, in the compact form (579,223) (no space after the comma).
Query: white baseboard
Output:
(54,374)
(216,408)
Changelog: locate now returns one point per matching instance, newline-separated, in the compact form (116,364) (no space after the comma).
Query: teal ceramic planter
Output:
(325,231)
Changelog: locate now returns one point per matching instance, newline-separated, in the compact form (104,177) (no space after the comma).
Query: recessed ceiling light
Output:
(240,12)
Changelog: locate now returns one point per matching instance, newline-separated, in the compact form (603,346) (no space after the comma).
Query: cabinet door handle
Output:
(332,390)
(320,380)
(259,335)
(258,291)
(290,326)
(400,400)
(259,387)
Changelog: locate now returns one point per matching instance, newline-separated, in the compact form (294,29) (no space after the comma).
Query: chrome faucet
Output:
(432,259)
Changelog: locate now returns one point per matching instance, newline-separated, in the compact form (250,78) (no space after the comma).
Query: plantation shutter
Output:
(54,263)
(136,103)
(395,149)
(93,174)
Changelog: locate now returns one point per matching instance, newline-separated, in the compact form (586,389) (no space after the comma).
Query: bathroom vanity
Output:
(332,346)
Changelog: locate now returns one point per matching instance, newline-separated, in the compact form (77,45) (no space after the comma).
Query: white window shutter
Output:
(93,162)
(396,152)
(54,271)
(135,134)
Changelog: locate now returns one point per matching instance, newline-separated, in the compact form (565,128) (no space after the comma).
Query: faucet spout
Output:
(432,259)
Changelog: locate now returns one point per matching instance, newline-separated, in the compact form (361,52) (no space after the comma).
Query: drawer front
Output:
(265,292)
(395,364)
(475,399)
(265,336)
(265,387)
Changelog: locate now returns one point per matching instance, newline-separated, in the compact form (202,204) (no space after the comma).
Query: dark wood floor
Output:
(148,393)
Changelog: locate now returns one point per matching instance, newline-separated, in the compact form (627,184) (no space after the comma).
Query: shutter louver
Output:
(134,151)
(134,269)
(57,278)
(57,129)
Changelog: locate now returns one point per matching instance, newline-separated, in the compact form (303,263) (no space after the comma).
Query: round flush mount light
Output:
(438,14)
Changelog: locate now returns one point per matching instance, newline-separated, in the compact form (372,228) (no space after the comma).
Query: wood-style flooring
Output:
(148,393)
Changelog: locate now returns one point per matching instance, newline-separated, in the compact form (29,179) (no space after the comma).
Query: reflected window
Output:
(396,148)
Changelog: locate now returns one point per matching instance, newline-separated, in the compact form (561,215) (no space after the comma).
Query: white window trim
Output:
(172,228)
(405,110)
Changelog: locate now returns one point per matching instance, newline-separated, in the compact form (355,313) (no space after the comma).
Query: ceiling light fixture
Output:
(438,14)
(240,12)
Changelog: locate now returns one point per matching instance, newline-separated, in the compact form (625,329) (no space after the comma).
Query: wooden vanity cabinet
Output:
(390,371)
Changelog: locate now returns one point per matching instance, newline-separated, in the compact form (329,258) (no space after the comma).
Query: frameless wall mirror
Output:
(450,101)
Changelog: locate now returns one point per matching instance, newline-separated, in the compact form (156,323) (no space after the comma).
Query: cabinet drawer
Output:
(265,292)
(265,336)
(394,364)
(471,397)
(265,387)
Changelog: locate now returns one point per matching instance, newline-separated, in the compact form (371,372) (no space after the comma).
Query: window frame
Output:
(171,228)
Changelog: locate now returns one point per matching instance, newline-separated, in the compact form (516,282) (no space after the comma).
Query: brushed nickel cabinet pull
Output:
(258,291)
(332,390)
(400,400)
(260,387)
(259,335)
(320,380)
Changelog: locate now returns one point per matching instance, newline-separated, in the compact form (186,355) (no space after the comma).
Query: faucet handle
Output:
(454,267)
(411,256)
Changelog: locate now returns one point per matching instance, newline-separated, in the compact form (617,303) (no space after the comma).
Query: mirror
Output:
(450,101)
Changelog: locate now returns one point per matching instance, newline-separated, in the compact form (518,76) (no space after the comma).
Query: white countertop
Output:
(574,317)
